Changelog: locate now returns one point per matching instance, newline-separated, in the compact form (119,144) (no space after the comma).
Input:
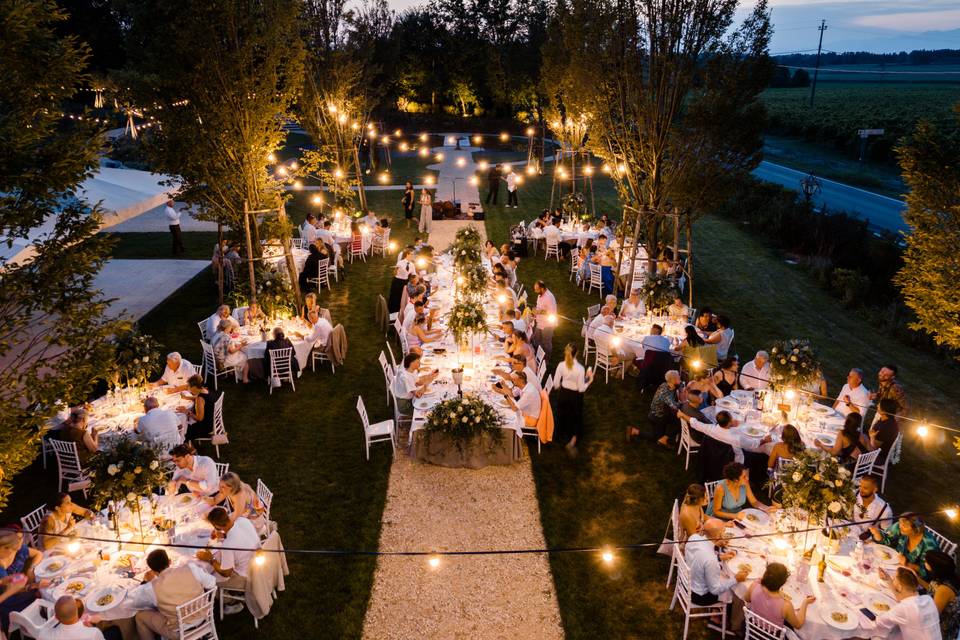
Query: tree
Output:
(931,264)
(53,324)
(670,94)
(801,78)
(223,74)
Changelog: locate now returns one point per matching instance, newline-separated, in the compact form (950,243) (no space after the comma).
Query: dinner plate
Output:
(76,587)
(51,567)
(756,517)
(885,555)
(821,409)
(879,603)
(104,598)
(728,403)
(839,616)
(424,404)
(827,439)
(754,431)
(755,566)
(742,394)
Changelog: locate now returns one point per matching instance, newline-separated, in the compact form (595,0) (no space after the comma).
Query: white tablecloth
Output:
(293,329)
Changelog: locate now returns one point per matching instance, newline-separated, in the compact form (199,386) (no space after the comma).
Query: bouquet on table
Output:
(464,418)
(793,363)
(658,291)
(136,358)
(123,473)
(466,317)
(817,483)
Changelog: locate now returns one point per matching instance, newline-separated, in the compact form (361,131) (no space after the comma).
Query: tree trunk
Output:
(250,255)
(689,262)
(220,262)
(288,255)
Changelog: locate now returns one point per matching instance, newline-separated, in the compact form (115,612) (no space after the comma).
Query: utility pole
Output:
(816,68)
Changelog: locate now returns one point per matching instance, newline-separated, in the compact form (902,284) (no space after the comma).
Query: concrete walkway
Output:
(140,285)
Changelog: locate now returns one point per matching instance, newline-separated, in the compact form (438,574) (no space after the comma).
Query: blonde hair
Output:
(236,485)
(570,355)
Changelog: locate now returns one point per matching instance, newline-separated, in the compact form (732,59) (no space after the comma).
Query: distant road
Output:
(880,211)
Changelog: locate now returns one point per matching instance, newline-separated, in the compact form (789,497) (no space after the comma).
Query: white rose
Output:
(796,476)
(137,469)
(113,469)
(136,361)
(834,507)
(131,497)
(154,464)
(146,358)
(465,419)
(477,420)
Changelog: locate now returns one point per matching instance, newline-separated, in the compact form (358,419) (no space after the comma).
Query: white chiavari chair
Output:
(379,432)
(281,368)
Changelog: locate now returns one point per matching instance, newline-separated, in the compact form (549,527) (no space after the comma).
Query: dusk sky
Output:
(863,25)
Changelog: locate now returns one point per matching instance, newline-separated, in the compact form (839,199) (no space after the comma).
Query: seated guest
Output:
(370,220)
(280,341)
(690,345)
(201,413)
(664,415)
(943,586)
(231,563)
(518,363)
(909,536)
(528,404)
(325,234)
(419,334)
(490,250)
(76,429)
(308,230)
(520,346)
(17,562)
(677,310)
(703,382)
(163,590)
(408,384)
(606,316)
(158,426)
(382,228)
(311,267)
(869,509)
(723,432)
(707,581)
(727,374)
(764,598)
(60,520)
(854,396)
(197,473)
(229,350)
(884,431)
(722,337)
(915,615)
(847,447)
(733,494)
(706,322)
(790,446)
(213,322)
(510,315)
(320,329)
(756,373)
(691,407)
(309,303)
(176,373)
(656,340)
(412,310)
(633,306)
(67,611)
(254,316)
(691,511)
(244,501)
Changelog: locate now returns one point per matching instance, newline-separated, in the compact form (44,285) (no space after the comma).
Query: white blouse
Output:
(572,378)
(404,269)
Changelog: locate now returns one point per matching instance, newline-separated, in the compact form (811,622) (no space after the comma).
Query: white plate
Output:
(742,393)
(879,603)
(885,555)
(822,409)
(755,517)
(115,595)
(756,432)
(728,403)
(850,623)
(424,404)
(757,565)
(76,587)
(827,439)
(52,567)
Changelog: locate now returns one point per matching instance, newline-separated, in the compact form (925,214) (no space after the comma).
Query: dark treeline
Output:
(917,56)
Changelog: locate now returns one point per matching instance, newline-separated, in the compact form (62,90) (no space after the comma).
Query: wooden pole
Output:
(689,261)
(250,255)
(288,254)
(360,191)
(220,261)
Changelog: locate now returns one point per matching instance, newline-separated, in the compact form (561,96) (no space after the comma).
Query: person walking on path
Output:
(493,183)
(408,198)
(173,219)
(426,211)
(512,189)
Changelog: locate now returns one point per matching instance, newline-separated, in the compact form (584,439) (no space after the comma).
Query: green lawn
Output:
(307,445)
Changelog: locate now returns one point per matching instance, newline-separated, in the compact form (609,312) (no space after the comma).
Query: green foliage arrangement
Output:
(475,279)
(463,419)
(793,363)
(658,291)
(274,293)
(574,205)
(136,358)
(126,471)
(466,317)
(818,484)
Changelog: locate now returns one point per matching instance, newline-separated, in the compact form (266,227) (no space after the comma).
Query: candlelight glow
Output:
(73,546)
(474,180)
(397,133)
(451,140)
(423,152)
(423,137)
(483,165)
(433,562)
(404,146)
(421,262)
(392,246)
(477,140)
(439,157)
(790,394)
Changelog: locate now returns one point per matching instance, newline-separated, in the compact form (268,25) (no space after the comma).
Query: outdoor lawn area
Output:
(611,493)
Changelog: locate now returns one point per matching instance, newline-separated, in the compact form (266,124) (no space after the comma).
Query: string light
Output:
(271,158)
(696,364)
(259,558)
(531,131)
(384,177)
(439,157)
(790,394)
(429,180)
(483,165)
(73,546)
(397,133)
(504,136)
(424,137)
(531,170)
(950,513)
(607,556)
(477,140)
(338,173)
(923,430)
(404,146)
(424,152)
(461,162)
(474,180)
(294,165)
(552,319)
(342,119)
(421,263)
(605,168)
(588,170)
(298,184)
(451,140)
(393,245)
(282,171)
(519,179)
(317,200)
(433,562)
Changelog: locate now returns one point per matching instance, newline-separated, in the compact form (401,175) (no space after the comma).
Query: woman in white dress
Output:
(426,211)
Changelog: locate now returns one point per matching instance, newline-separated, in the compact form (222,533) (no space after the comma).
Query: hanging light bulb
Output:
(923,430)
(461,162)
(504,136)
(439,157)
(483,165)
(424,152)
(259,558)
(950,513)
(298,184)
(404,146)
(531,131)
(477,140)
(271,158)
(607,557)
(433,562)
(294,165)
(424,137)
(397,132)
(317,200)
(531,170)
(790,394)
(429,180)
(474,181)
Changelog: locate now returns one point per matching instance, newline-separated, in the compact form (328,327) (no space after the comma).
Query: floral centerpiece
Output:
(467,249)
(574,206)
(474,281)
(466,317)
(125,472)
(658,291)
(463,419)
(793,363)
(136,358)
(274,293)
(817,483)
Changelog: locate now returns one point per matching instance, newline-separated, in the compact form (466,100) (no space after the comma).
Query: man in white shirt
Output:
(551,234)
(231,564)
(915,615)
(173,221)
(197,473)
(756,373)
(407,384)
(656,340)
(633,306)
(870,509)
(519,324)
(528,404)
(158,426)
(723,431)
(213,322)
(176,373)
(69,626)
(518,363)
(511,188)
(707,581)
(308,231)
(164,589)
(321,329)
(546,313)
(325,235)
(605,317)
(854,397)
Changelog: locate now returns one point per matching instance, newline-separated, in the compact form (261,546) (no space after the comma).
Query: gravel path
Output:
(478,597)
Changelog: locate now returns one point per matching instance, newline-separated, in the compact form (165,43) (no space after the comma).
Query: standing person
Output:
(889,387)
(405,267)
(546,312)
(407,202)
(426,211)
(512,189)
(493,183)
(571,381)
(173,220)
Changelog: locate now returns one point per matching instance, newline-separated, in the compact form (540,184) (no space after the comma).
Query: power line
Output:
(857,71)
